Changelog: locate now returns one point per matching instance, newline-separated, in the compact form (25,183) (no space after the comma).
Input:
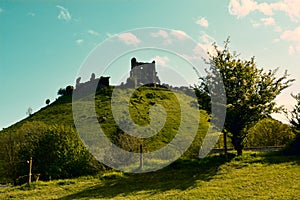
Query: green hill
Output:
(59,114)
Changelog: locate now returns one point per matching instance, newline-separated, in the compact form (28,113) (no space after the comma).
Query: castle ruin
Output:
(143,73)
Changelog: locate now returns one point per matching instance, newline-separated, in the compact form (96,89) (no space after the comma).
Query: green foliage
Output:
(269,132)
(56,150)
(61,92)
(10,145)
(250,91)
(295,114)
(66,92)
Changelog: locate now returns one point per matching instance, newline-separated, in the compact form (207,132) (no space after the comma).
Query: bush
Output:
(57,152)
(269,132)
(294,147)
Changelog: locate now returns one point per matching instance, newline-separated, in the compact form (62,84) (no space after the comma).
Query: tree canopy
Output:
(250,91)
(295,114)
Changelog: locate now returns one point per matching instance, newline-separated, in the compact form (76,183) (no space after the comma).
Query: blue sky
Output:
(44,43)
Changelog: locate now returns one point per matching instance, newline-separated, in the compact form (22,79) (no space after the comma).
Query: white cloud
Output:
(64,14)
(163,61)
(92,32)
(179,34)
(255,24)
(292,36)
(291,50)
(79,41)
(269,21)
(160,33)
(31,14)
(202,22)
(241,8)
(129,38)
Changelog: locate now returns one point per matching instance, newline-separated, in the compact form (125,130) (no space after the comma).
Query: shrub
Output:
(269,132)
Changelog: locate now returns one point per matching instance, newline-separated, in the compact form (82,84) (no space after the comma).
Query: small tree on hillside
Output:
(29,111)
(250,91)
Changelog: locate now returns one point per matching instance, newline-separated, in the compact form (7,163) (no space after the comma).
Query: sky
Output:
(43,44)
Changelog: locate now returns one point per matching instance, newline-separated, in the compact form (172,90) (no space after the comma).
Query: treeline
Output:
(56,152)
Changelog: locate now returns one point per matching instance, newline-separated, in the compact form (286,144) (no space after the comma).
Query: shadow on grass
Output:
(180,175)
(276,157)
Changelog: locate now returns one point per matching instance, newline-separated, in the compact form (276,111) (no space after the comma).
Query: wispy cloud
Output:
(92,32)
(129,38)
(294,37)
(31,14)
(268,21)
(79,41)
(202,22)
(241,8)
(160,33)
(255,24)
(205,43)
(179,34)
(161,60)
(64,14)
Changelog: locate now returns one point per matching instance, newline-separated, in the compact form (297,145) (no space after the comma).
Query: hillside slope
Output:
(141,101)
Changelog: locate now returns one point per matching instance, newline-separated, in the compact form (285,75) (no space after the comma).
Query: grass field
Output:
(251,176)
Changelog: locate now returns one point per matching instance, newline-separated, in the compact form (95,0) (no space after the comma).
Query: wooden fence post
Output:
(30,168)
(141,156)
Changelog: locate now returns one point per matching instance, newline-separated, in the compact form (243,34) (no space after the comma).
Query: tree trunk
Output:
(225,144)
(239,151)
(237,144)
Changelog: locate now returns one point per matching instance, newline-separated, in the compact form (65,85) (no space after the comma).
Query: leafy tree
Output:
(61,92)
(57,151)
(69,90)
(295,114)
(66,92)
(250,91)
(269,132)
(10,144)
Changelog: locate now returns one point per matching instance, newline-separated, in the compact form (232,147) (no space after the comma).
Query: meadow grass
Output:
(251,176)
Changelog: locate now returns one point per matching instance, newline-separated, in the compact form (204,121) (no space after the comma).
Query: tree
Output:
(47,101)
(29,111)
(66,92)
(57,151)
(295,114)
(269,132)
(250,92)
(61,92)
(10,144)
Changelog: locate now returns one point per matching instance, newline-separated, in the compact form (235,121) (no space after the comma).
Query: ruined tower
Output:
(143,73)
